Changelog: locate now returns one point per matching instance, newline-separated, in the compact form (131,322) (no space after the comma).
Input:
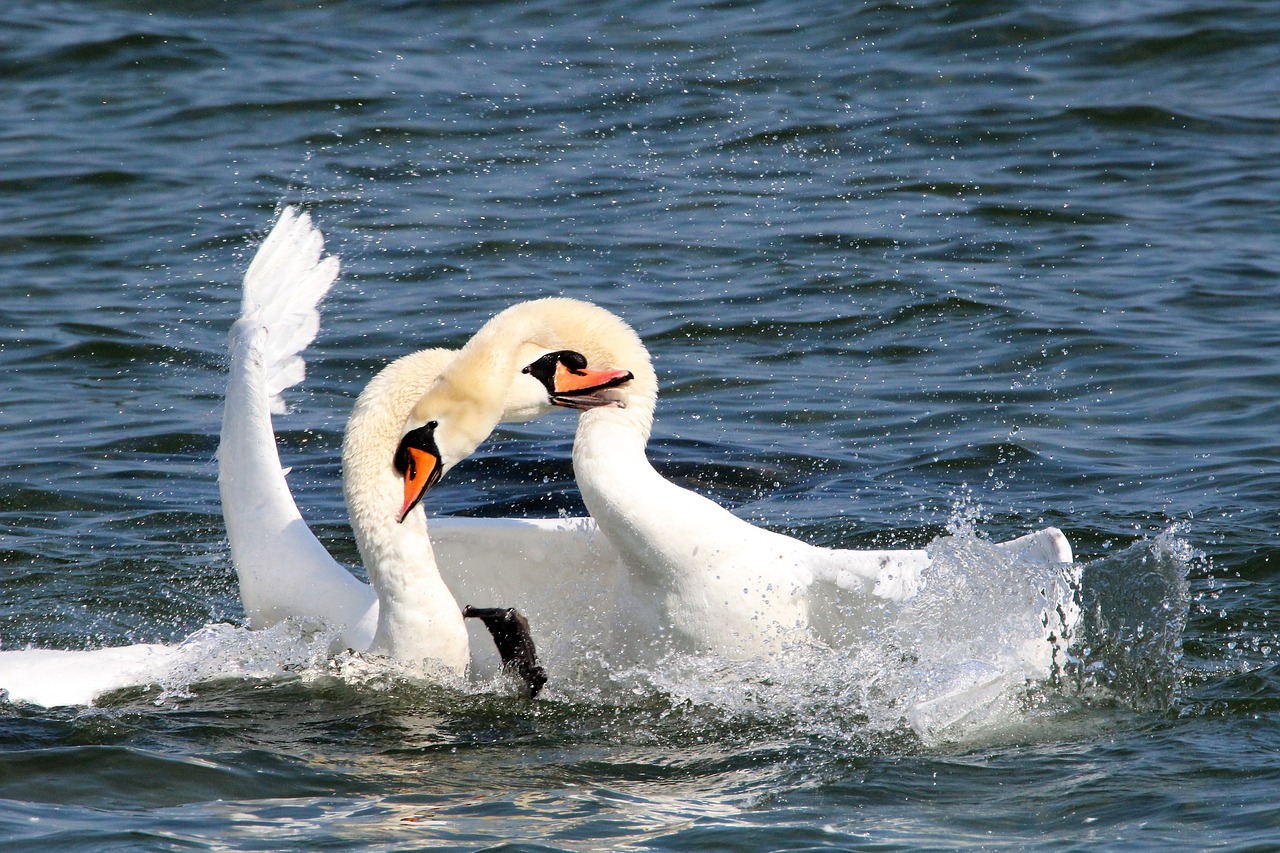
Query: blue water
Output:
(903,268)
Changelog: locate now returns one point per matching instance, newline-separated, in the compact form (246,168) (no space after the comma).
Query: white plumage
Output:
(658,568)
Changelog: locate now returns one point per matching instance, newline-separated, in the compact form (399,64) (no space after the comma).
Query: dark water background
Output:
(897,264)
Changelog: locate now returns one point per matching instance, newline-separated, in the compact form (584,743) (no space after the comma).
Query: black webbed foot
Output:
(511,635)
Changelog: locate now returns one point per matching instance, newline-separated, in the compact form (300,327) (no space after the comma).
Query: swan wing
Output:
(53,677)
(283,569)
(895,574)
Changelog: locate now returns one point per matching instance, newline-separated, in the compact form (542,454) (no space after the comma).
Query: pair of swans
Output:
(655,568)
(666,562)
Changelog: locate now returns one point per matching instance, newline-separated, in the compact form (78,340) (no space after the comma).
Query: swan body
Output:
(728,586)
(718,583)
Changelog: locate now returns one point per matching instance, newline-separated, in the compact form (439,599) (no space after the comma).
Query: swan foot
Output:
(511,635)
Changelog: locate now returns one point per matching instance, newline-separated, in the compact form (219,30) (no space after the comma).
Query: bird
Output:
(407,611)
(710,581)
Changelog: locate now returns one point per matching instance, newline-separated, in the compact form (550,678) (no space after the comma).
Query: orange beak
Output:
(418,461)
(570,384)
(575,389)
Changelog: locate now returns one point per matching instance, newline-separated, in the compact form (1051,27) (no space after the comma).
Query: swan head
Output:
(548,379)
(568,381)
(580,338)
(451,420)
(419,461)
(527,360)
(572,354)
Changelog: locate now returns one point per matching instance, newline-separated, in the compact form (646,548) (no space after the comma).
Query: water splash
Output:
(1135,603)
(231,652)
(990,644)
(975,652)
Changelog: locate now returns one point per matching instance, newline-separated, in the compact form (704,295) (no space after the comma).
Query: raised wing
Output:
(283,569)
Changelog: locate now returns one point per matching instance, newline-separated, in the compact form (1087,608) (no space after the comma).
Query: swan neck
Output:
(418,618)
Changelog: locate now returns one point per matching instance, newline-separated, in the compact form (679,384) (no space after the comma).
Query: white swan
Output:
(284,572)
(408,613)
(716,582)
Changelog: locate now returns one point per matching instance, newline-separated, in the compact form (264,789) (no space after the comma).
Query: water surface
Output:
(902,268)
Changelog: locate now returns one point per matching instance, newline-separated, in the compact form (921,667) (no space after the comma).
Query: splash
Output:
(1135,604)
(231,652)
(983,624)
(973,654)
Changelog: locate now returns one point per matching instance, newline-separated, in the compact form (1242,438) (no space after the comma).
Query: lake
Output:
(905,269)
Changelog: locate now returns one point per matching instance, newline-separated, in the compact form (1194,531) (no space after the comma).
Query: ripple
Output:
(110,778)
(889,257)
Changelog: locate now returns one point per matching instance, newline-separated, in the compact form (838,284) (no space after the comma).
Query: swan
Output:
(716,583)
(407,612)
(283,570)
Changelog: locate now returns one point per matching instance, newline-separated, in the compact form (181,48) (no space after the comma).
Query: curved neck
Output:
(418,618)
(630,501)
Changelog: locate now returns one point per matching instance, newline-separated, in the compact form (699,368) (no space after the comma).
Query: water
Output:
(902,267)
